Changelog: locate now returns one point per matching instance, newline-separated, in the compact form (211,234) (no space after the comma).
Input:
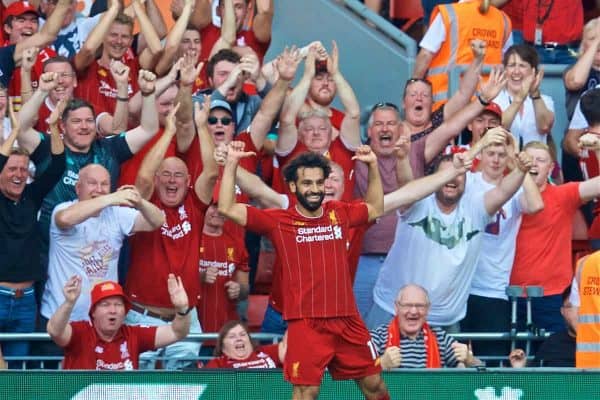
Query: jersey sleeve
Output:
(125,217)
(118,147)
(570,196)
(259,221)
(358,213)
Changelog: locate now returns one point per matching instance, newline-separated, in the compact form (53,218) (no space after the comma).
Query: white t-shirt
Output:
(523,125)
(492,271)
(578,121)
(437,251)
(89,249)
(69,40)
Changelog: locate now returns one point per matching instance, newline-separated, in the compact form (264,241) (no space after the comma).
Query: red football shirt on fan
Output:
(228,254)
(97,86)
(262,357)
(173,248)
(313,252)
(87,351)
(14,89)
(131,167)
(337,152)
(43,115)
(211,33)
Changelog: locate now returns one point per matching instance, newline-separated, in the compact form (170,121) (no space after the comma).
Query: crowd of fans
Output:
(113,195)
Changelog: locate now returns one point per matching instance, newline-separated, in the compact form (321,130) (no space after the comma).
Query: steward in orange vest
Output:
(588,327)
(463,22)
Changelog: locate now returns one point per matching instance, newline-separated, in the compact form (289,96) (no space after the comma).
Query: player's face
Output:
(220,74)
(220,126)
(493,161)
(417,103)
(236,343)
(315,133)
(165,103)
(13,176)
(309,188)
(117,40)
(172,181)
(322,89)
(108,315)
(79,129)
(412,310)
(67,81)
(94,181)
(334,184)
(451,192)
(541,166)
(22,27)
(384,132)
(481,124)
(213,218)
(517,69)
(190,44)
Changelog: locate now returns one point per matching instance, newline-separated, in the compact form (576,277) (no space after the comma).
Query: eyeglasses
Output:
(384,105)
(409,306)
(214,120)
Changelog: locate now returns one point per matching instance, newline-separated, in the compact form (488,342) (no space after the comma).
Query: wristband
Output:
(183,314)
(539,96)
(122,98)
(483,102)
(146,94)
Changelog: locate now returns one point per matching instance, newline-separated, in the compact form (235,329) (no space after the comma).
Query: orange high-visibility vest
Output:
(463,23)
(588,326)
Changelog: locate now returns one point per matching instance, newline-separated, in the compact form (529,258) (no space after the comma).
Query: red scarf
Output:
(431,344)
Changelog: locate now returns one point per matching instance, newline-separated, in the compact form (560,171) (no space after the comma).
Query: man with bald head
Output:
(86,236)
(175,247)
(409,342)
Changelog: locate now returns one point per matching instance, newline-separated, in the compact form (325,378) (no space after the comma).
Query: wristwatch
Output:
(186,312)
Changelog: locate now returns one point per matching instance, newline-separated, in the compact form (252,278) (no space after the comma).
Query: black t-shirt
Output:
(557,351)
(7,64)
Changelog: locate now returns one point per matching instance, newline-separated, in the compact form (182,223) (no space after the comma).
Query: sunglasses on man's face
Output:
(224,121)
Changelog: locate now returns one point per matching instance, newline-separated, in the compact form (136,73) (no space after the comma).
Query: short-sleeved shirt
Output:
(262,357)
(87,351)
(413,351)
(543,256)
(314,259)
(109,153)
(89,249)
(173,248)
(228,254)
(96,84)
(211,33)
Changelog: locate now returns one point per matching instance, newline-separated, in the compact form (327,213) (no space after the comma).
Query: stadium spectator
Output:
(86,236)
(235,349)
(19,240)
(409,342)
(446,225)
(446,44)
(316,315)
(223,272)
(21,26)
(547,262)
(106,342)
(488,308)
(528,114)
(174,248)
(585,299)
(314,131)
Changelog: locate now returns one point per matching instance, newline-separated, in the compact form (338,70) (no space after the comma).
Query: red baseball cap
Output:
(19,8)
(494,108)
(106,289)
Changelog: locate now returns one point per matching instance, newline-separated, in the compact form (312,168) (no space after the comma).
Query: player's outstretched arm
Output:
(227,205)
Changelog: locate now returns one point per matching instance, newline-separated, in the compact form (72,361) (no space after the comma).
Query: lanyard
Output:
(541,20)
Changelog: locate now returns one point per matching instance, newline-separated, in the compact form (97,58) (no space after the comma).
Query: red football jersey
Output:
(87,351)
(173,248)
(228,253)
(211,33)
(14,89)
(97,86)
(262,357)
(313,252)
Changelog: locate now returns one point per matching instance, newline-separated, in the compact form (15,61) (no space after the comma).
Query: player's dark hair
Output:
(227,326)
(222,55)
(76,104)
(590,106)
(306,160)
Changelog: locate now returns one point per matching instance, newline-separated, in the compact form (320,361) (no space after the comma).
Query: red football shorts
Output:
(341,344)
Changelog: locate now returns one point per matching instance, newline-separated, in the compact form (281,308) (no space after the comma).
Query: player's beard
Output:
(310,205)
